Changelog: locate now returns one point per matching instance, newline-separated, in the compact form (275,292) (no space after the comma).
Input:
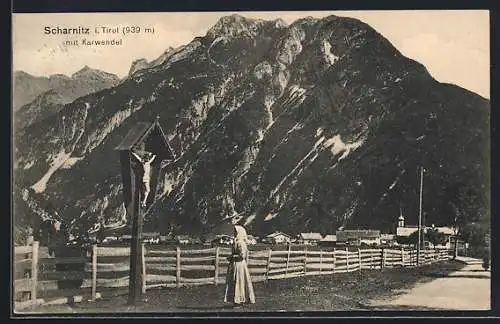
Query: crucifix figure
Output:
(145,161)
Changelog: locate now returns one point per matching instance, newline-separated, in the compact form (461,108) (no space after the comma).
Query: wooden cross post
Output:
(135,279)
(145,137)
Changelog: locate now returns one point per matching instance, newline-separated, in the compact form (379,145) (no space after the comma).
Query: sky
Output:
(453,45)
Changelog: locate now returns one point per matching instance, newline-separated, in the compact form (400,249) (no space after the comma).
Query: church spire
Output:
(401,218)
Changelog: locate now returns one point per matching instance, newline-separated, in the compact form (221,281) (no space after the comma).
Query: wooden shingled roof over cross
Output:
(140,132)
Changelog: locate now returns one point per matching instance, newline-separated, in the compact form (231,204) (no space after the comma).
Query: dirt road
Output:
(466,289)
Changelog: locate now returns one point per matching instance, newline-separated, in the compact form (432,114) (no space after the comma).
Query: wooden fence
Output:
(107,268)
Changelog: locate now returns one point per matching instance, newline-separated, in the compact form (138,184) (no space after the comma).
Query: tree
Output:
(435,237)
(474,234)
(469,204)
(411,239)
(477,235)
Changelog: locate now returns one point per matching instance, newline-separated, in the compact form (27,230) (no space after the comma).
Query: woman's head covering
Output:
(241,234)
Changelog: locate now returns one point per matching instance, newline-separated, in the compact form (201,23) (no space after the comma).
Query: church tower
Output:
(401,219)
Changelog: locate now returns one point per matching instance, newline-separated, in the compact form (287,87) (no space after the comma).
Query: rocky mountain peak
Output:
(305,127)
(88,72)
(235,25)
(142,63)
(137,65)
(36,98)
(21,74)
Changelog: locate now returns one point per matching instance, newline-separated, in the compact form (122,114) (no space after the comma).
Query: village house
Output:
(183,239)
(151,234)
(151,237)
(222,240)
(126,238)
(92,238)
(359,237)
(110,239)
(309,238)
(328,240)
(252,240)
(277,238)
(388,239)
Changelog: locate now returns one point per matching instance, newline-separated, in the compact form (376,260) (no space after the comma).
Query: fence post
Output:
(143,261)
(305,261)
(347,259)
(288,258)
(382,259)
(34,270)
(359,258)
(334,261)
(216,274)
(268,266)
(94,273)
(178,267)
(402,256)
(320,260)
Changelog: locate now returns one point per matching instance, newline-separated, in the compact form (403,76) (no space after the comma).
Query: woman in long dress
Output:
(239,288)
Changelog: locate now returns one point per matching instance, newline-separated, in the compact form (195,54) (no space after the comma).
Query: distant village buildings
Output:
(404,231)
(183,239)
(341,238)
(309,238)
(277,238)
(387,239)
(328,241)
(252,240)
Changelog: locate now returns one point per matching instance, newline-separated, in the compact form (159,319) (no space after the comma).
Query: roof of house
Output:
(222,235)
(329,238)
(277,233)
(355,234)
(311,236)
(446,230)
(150,234)
(406,231)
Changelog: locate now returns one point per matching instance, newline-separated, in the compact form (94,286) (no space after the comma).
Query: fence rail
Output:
(107,268)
